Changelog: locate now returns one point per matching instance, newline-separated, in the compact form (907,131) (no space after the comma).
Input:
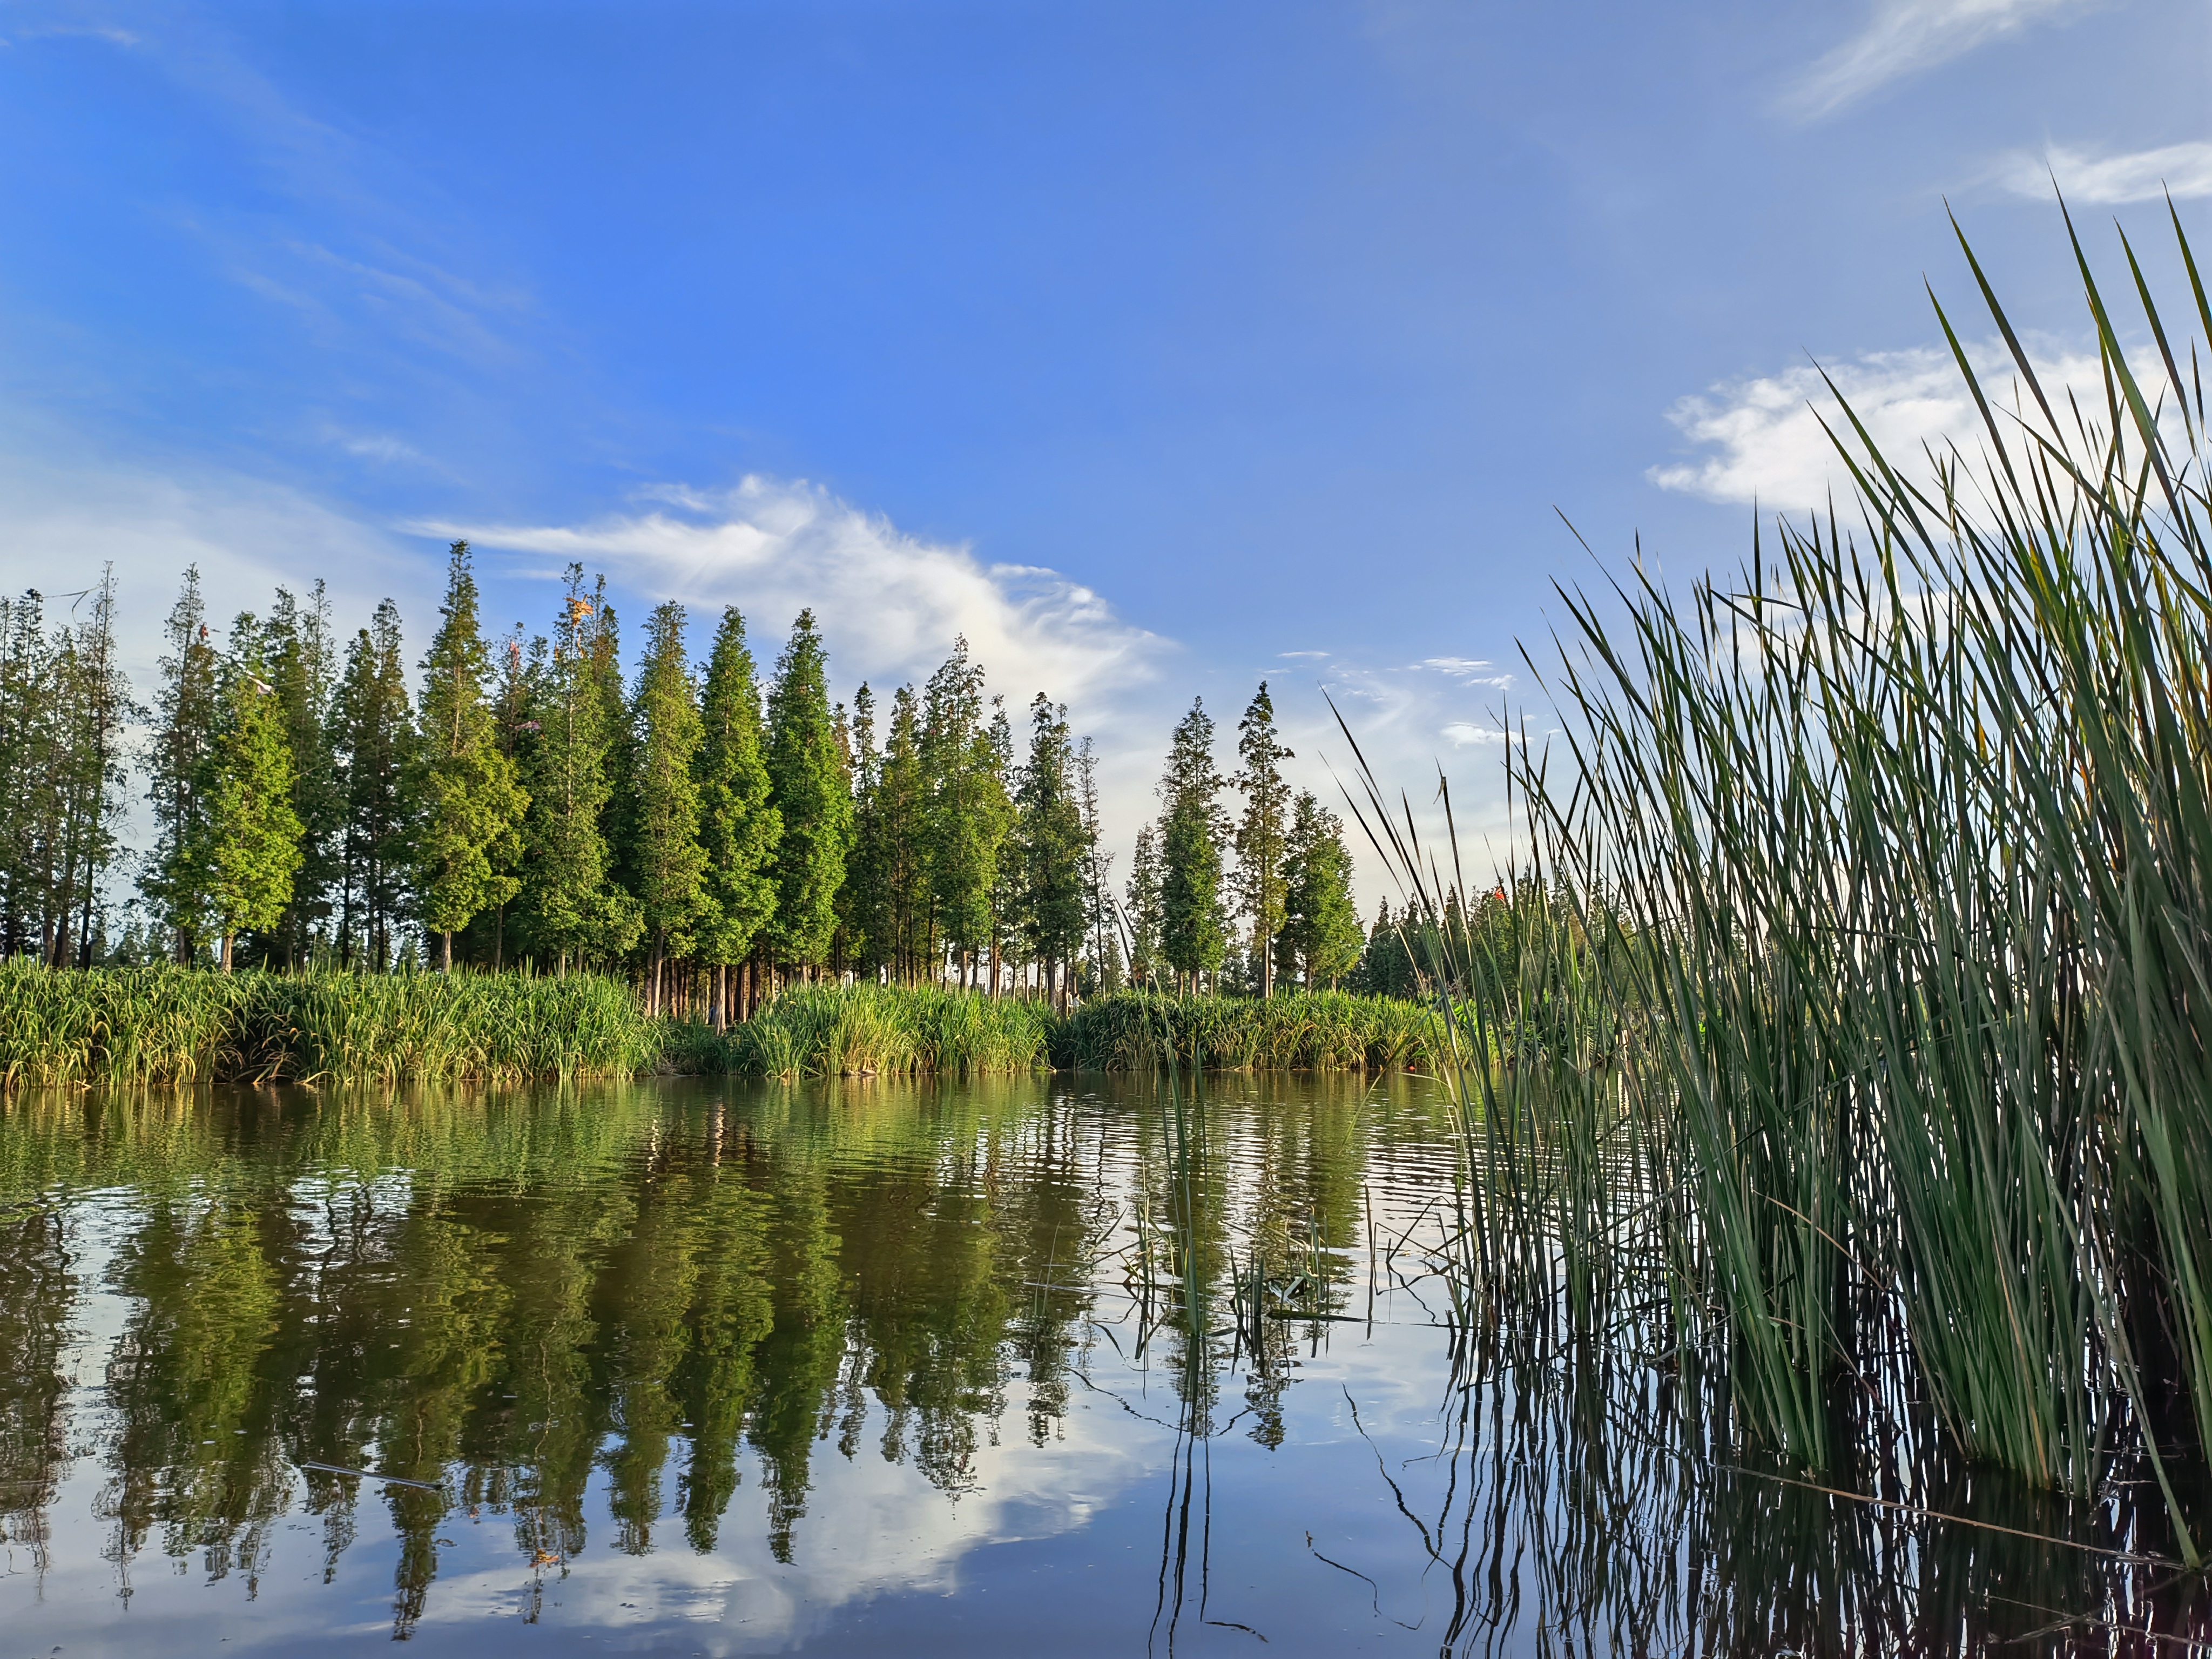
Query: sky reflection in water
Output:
(854,1367)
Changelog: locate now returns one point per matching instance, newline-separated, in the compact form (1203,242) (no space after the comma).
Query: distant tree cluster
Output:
(706,830)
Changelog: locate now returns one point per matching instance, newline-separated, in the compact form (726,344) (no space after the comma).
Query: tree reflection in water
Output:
(661,1289)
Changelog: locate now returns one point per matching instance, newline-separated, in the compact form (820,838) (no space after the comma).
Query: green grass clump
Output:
(431,1028)
(131,1025)
(177,1025)
(864,1029)
(1319,1030)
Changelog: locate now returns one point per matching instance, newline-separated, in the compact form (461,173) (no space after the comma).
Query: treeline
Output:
(708,831)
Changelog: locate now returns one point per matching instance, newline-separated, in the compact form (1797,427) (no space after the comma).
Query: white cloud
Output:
(58,525)
(1762,438)
(2143,175)
(1468,670)
(1462,732)
(1903,37)
(889,604)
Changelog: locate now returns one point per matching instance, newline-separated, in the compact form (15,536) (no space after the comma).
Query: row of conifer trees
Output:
(707,830)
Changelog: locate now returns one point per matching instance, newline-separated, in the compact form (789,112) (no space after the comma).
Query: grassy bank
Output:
(170,1025)
(1321,1030)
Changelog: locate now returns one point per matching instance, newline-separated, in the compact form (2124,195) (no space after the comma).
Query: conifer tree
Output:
(29,746)
(1005,888)
(670,861)
(889,872)
(570,909)
(301,662)
(861,912)
(1143,911)
(1262,832)
(472,804)
(248,847)
(967,812)
(1192,830)
(374,737)
(739,825)
(185,725)
(1097,874)
(99,710)
(616,819)
(63,705)
(1322,932)
(808,779)
(1054,848)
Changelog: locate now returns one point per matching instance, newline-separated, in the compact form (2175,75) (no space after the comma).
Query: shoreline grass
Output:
(169,1025)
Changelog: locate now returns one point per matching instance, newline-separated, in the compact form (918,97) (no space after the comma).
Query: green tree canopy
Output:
(1321,934)
(1262,831)
(472,804)
(809,781)
(1054,844)
(670,861)
(1192,937)
(374,737)
(185,712)
(571,910)
(248,848)
(740,824)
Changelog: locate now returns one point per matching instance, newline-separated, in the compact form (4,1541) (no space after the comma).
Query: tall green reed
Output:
(1877,881)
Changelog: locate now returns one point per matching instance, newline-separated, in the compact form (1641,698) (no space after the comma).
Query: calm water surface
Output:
(861,1367)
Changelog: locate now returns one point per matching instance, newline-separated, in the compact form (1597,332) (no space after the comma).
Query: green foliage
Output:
(967,813)
(469,835)
(1263,832)
(571,911)
(65,705)
(1858,979)
(246,846)
(739,825)
(822,1031)
(812,790)
(174,1026)
(1324,1031)
(373,736)
(669,862)
(185,713)
(300,660)
(1193,827)
(1141,911)
(1320,936)
(889,874)
(1053,840)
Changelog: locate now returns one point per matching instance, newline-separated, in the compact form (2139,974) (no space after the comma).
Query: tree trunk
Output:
(226,953)
(445,953)
(721,984)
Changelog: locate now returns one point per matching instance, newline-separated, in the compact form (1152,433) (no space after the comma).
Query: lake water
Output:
(869,1367)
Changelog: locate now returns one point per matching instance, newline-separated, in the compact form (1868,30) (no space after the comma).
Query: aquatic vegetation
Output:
(1325,1031)
(1875,877)
(175,1025)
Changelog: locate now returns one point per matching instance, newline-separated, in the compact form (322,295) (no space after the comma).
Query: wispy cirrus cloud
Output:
(2143,175)
(1905,37)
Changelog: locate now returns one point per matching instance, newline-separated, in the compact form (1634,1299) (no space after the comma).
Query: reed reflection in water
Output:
(978,1366)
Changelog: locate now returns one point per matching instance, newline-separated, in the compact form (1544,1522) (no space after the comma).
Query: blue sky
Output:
(1160,347)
